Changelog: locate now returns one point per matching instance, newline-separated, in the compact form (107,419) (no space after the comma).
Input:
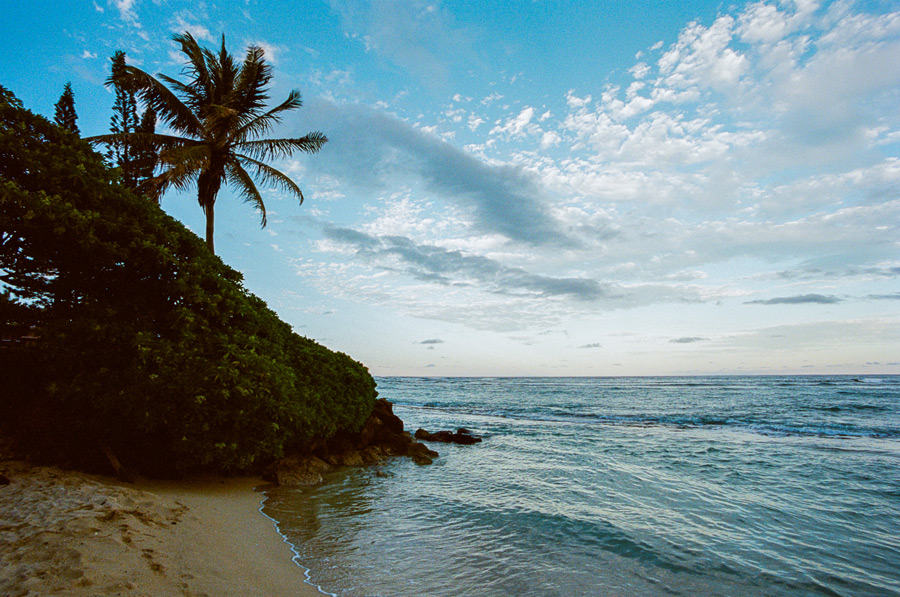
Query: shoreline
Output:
(66,532)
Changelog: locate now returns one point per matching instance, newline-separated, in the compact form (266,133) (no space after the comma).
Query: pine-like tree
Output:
(120,153)
(145,155)
(65,115)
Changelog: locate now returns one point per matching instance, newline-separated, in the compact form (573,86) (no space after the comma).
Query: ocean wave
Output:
(761,427)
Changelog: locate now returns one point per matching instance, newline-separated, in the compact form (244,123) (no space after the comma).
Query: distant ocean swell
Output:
(745,485)
(563,415)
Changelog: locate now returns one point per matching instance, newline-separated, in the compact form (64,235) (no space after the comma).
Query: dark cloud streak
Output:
(373,150)
(434,264)
(800,299)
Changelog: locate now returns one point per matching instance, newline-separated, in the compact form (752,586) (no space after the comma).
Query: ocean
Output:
(618,486)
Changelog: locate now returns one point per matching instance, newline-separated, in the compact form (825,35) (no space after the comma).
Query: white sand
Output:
(67,533)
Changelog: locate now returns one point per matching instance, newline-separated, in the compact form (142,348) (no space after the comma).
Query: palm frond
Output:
(168,107)
(142,140)
(195,66)
(269,149)
(226,71)
(269,175)
(244,182)
(186,91)
(220,121)
(183,164)
(181,180)
(258,125)
(250,93)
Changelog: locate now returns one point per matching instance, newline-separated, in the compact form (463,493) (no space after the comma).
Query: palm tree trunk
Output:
(210,225)
(208,184)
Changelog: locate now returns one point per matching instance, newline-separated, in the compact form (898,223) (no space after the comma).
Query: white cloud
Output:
(474,122)
(199,32)
(639,70)
(518,125)
(764,23)
(701,56)
(550,139)
(126,10)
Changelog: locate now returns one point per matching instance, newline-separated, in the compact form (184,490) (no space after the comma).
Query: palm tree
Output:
(221,114)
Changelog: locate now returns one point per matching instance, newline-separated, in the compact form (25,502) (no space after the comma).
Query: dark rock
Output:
(422,454)
(384,410)
(373,454)
(4,480)
(352,458)
(448,437)
(369,432)
(295,471)
(464,439)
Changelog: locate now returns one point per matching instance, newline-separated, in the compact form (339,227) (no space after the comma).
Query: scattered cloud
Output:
(517,126)
(183,24)
(592,345)
(704,161)
(126,10)
(431,341)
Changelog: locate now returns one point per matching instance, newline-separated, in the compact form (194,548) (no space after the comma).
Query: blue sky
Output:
(548,188)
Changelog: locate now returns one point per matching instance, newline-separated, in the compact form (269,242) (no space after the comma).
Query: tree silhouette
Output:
(136,162)
(145,158)
(65,115)
(220,113)
(124,121)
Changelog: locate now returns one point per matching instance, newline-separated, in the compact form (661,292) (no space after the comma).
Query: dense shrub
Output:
(148,344)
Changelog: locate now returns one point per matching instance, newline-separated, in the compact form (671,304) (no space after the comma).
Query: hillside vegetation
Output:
(148,345)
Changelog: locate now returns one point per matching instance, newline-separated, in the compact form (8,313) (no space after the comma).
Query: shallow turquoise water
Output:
(609,486)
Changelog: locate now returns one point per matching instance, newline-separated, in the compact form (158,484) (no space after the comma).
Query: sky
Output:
(546,188)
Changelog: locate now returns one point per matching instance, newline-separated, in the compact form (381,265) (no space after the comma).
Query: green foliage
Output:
(148,343)
(7,97)
(65,115)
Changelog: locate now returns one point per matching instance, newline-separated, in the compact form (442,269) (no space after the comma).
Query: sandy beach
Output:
(68,533)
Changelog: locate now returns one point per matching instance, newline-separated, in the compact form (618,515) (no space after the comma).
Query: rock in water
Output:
(448,437)
(422,454)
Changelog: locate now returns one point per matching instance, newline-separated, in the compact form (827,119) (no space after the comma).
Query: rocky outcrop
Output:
(381,437)
(297,470)
(461,436)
